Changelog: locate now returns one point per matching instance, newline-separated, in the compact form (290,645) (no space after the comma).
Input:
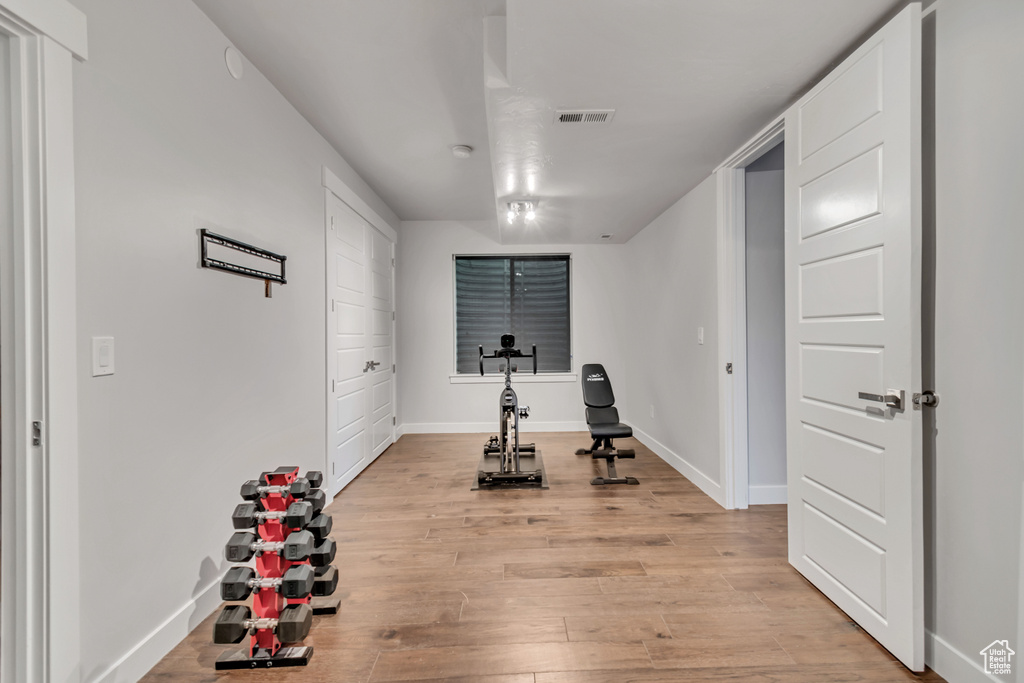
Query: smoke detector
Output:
(584,116)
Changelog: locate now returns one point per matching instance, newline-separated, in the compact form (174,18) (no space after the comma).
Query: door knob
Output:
(892,398)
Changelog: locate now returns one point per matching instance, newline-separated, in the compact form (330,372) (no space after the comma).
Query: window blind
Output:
(527,296)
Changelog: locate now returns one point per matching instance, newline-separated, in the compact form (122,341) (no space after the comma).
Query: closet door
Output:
(381,374)
(359,320)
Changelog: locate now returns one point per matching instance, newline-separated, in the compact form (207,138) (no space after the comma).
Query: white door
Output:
(359,343)
(347,330)
(381,375)
(853,325)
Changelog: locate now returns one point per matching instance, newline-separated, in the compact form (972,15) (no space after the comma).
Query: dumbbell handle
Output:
(262,546)
(261,582)
(260,623)
(271,514)
(273,489)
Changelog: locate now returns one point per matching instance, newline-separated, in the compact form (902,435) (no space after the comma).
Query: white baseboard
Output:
(152,648)
(953,665)
(487,427)
(767,495)
(703,481)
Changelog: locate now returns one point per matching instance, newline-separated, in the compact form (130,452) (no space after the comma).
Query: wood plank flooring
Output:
(576,584)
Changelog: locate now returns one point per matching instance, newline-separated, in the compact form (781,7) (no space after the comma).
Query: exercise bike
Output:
(506,463)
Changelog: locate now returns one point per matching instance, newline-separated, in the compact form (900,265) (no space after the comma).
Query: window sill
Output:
(517,378)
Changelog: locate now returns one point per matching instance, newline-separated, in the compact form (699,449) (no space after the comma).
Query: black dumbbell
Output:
(234,622)
(297,516)
(321,526)
(326,581)
(244,544)
(323,553)
(318,499)
(315,479)
(239,582)
(253,490)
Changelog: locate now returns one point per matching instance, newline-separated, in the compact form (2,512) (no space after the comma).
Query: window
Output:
(527,296)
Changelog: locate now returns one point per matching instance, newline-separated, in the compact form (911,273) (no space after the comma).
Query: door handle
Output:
(371,365)
(892,398)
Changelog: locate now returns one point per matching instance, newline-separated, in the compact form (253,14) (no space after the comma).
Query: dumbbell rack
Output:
(265,649)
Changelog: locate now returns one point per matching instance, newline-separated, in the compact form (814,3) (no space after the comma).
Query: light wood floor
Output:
(576,584)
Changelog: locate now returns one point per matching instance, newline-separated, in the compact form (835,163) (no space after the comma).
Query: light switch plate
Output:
(700,335)
(102,356)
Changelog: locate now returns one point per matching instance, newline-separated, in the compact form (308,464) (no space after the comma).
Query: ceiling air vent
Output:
(581,116)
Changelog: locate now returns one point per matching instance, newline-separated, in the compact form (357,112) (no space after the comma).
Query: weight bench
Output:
(603,421)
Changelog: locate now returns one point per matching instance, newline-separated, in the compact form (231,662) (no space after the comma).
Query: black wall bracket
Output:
(223,253)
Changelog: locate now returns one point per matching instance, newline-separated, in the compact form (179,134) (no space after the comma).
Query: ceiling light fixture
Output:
(526,209)
(461,151)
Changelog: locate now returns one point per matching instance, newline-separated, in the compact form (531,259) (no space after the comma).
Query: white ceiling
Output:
(393,84)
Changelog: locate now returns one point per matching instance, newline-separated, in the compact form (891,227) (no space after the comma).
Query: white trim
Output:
(953,665)
(346,194)
(60,379)
(732,307)
(766,138)
(57,19)
(519,378)
(39,620)
(768,495)
(486,427)
(681,465)
(134,664)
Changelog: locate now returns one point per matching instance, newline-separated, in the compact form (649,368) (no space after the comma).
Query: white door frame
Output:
(39,617)
(732,313)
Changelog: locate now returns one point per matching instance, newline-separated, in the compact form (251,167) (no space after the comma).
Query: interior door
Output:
(381,375)
(853,330)
(348,284)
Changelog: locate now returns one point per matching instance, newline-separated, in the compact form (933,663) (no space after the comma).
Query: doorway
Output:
(765,296)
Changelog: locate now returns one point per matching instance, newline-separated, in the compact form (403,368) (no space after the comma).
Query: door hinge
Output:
(392,367)
(37,433)
(392,316)
(392,261)
(332,386)
(332,305)
(728,368)
(332,222)
(394,421)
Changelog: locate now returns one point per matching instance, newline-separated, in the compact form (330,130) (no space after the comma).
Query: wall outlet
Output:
(700,335)
(652,410)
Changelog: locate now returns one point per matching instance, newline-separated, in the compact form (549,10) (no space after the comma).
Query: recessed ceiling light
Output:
(461,151)
(607,236)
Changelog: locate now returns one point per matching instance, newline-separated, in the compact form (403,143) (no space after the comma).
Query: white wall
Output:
(671,291)
(976,472)
(766,328)
(428,401)
(214,382)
